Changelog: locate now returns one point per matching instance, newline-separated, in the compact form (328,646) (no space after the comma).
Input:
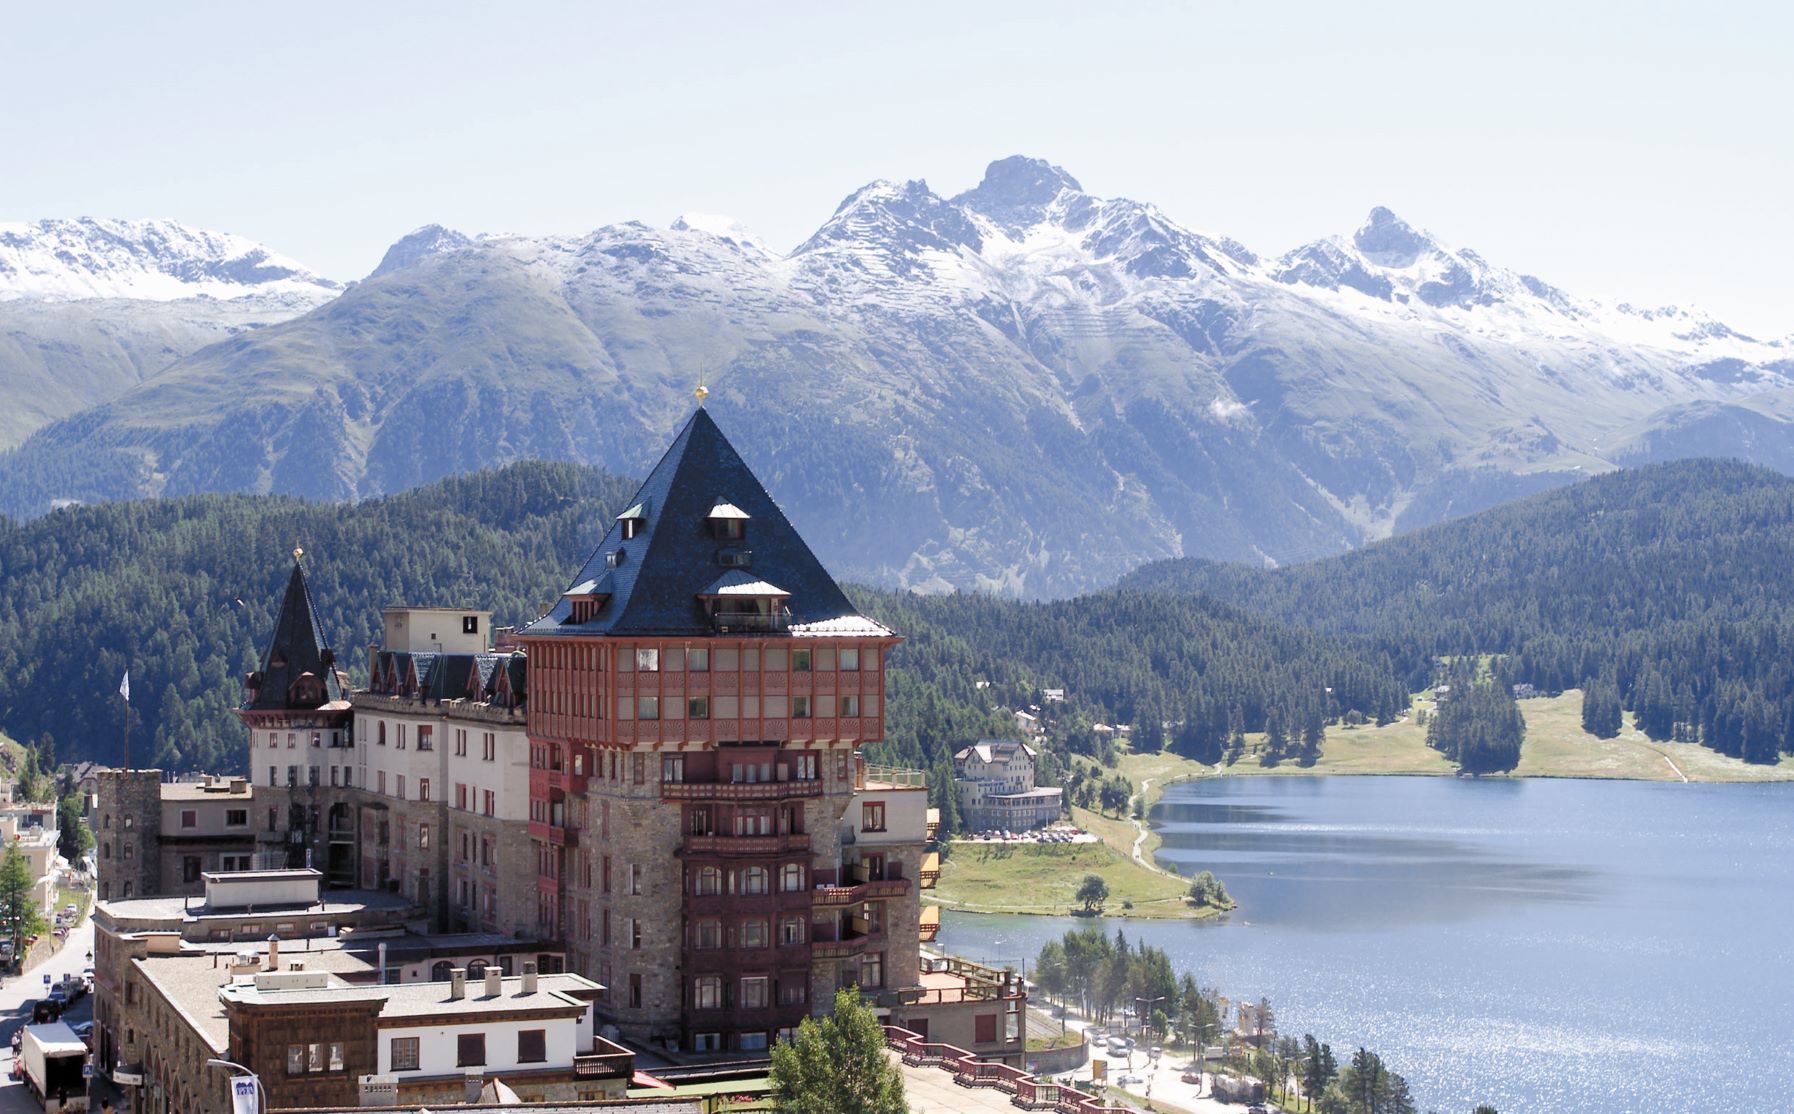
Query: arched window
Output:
(710,881)
(106,850)
(753,880)
(791,878)
(476,969)
(439,972)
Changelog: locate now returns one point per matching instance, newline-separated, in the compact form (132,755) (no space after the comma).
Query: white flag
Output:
(124,687)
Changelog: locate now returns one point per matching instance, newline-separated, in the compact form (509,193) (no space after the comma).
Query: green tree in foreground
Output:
(19,917)
(1093,892)
(837,1065)
(74,838)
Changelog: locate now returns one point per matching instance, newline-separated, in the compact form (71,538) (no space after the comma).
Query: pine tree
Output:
(837,1065)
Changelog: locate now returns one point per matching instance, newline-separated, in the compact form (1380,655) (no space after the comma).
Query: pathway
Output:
(21,991)
(1140,840)
(1672,765)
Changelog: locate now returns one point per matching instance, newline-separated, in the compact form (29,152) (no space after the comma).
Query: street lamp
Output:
(238,1071)
(1141,1011)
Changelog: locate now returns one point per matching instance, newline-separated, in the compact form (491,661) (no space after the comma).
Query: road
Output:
(18,994)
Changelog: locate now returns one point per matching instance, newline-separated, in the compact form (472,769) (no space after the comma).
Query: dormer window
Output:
(738,601)
(633,520)
(613,558)
(586,599)
(727,521)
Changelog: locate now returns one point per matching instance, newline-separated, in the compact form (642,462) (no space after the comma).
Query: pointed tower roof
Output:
(297,648)
(655,567)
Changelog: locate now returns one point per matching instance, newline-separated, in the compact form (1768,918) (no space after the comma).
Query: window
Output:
(697,707)
(399,779)
(791,993)
(753,1042)
(850,659)
(423,788)
(639,768)
(697,661)
(423,836)
(460,795)
(753,880)
(189,818)
(426,736)
(753,934)
(706,1042)
(753,823)
(295,1059)
(708,934)
(875,918)
(753,992)
(470,624)
(872,816)
(490,753)
(984,1028)
(273,776)
(710,881)
(800,661)
(532,1046)
(872,971)
(488,801)
(804,767)
(635,879)
(791,878)
(850,705)
(380,781)
(647,661)
(791,930)
(380,733)
(460,744)
(672,767)
(336,1056)
(190,868)
(292,776)
(707,992)
(800,707)
(470,1050)
(647,707)
(635,990)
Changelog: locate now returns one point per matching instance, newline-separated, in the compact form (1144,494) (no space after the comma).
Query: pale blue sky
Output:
(1632,151)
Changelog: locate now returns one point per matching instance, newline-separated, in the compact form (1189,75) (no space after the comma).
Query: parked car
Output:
(85,1031)
(1193,1077)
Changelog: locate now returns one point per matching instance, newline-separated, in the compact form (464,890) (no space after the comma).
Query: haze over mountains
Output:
(1024,387)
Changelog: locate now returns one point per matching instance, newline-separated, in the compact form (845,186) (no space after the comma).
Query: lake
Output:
(1542,945)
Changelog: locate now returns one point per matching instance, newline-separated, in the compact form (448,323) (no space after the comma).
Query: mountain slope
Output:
(1024,388)
(1668,581)
(90,308)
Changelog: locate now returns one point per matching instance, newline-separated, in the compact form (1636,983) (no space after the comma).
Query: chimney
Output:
(457,983)
(273,951)
(529,976)
(495,982)
(382,960)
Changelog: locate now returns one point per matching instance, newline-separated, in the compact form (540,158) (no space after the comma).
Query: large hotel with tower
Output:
(658,782)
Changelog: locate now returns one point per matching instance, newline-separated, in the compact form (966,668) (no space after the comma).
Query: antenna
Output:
(702,392)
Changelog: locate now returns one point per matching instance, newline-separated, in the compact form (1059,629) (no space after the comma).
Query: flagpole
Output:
(124,692)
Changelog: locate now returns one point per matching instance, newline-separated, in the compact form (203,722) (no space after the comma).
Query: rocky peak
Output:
(1016,191)
(1389,241)
(431,239)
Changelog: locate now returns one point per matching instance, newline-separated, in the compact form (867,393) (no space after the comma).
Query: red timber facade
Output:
(697,699)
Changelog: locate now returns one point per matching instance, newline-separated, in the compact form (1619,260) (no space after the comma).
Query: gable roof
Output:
(657,578)
(296,648)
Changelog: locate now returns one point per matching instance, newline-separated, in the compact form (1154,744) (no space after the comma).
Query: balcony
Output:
(826,896)
(931,870)
(756,845)
(739,790)
(930,924)
(342,835)
(750,622)
(553,834)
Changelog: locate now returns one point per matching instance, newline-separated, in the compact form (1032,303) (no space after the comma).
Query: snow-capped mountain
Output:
(90,308)
(154,260)
(1025,387)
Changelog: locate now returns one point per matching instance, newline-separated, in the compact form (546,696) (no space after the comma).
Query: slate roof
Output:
(298,647)
(450,676)
(655,583)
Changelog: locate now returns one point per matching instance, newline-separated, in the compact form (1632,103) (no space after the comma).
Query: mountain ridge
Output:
(1023,388)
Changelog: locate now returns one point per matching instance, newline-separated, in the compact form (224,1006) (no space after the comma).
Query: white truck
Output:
(54,1060)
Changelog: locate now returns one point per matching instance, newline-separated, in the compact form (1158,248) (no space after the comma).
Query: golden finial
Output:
(297,553)
(702,392)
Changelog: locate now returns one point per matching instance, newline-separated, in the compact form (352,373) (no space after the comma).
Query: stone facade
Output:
(128,833)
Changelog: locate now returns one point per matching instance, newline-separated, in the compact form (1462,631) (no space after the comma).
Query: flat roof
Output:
(191,986)
(200,791)
(175,907)
(554,995)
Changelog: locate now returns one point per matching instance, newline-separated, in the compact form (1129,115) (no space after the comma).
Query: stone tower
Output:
(128,833)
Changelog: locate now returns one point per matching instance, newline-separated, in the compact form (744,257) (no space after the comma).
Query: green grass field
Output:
(1044,878)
